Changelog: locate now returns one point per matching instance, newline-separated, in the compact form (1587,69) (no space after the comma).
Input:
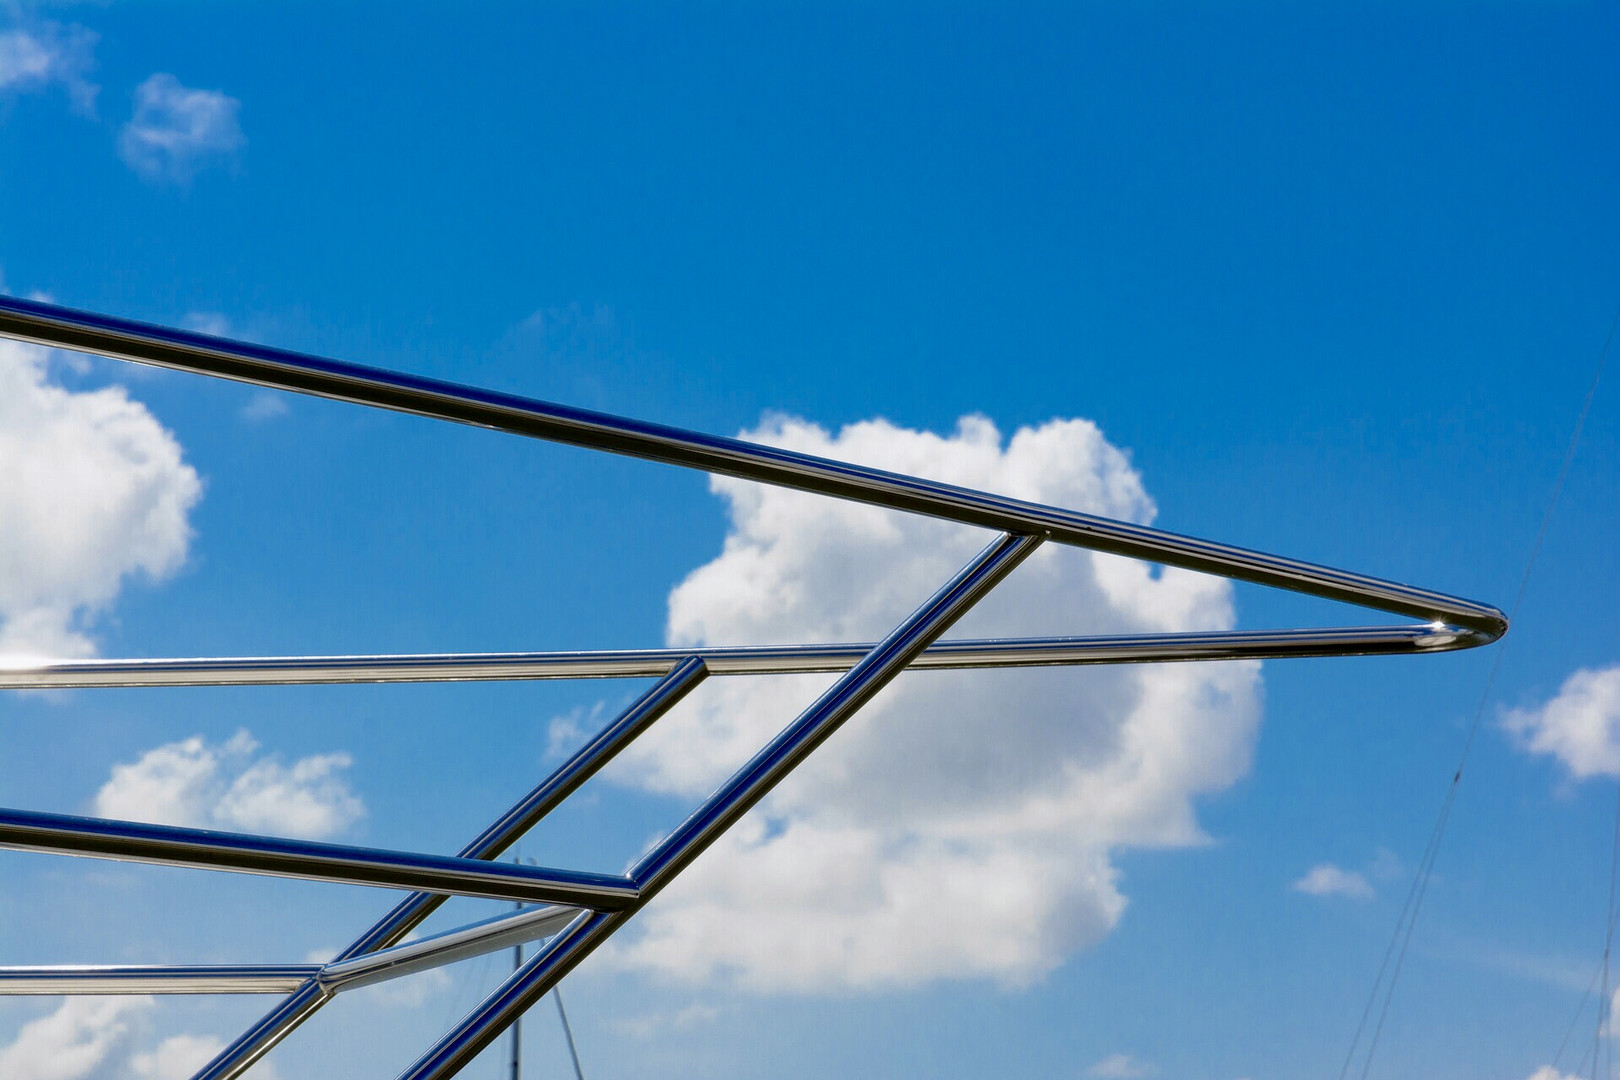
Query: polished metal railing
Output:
(578,911)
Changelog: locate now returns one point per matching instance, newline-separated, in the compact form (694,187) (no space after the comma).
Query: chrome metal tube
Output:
(270,1029)
(1452,623)
(733,660)
(464,942)
(474,939)
(166,845)
(156,979)
(525,986)
(260,365)
(721,810)
(767,768)
(258,1040)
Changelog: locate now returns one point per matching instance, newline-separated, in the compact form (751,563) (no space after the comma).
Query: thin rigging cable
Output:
(568,1031)
(1603,1004)
(1420,883)
(1580,1009)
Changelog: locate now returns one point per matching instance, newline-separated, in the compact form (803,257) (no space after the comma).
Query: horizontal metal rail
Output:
(167,845)
(735,660)
(462,943)
(157,979)
(260,365)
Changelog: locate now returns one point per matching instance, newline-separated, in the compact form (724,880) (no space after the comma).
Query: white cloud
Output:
(93,490)
(48,54)
(1325,879)
(194,783)
(264,405)
(1580,727)
(178,1057)
(177,130)
(652,1025)
(962,826)
(1386,866)
(94,1038)
(207,322)
(411,991)
(1547,1072)
(74,1041)
(1121,1067)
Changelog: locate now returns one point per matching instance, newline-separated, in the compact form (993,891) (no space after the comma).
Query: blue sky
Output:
(1329,280)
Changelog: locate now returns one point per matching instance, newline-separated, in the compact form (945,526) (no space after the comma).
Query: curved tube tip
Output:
(1486,629)
(1450,637)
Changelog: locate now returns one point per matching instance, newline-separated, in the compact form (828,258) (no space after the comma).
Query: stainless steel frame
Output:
(582,910)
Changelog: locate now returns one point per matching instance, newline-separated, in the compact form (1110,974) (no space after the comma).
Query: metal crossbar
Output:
(582,910)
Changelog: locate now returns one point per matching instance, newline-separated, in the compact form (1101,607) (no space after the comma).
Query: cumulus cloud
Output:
(224,786)
(1547,1072)
(94,490)
(1325,879)
(1121,1067)
(176,131)
(95,1038)
(73,1042)
(1580,726)
(963,825)
(50,54)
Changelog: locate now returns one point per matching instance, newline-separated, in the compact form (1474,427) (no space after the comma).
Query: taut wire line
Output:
(1402,936)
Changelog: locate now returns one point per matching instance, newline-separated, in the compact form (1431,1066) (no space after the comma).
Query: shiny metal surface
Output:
(720,811)
(737,660)
(582,910)
(475,939)
(260,365)
(154,979)
(259,1039)
(168,845)
(841,700)
(525,986)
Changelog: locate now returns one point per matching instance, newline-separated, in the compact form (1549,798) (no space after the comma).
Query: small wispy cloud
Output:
(1563,972)
(263,406)
(177,131)
(207,322)
(1580,726)
(566,732)
(1547,1072)
(1386,866)
(176,1058)
(1122,1067)
(1326,879)
(653,1024)
(49,54)
(412,991)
